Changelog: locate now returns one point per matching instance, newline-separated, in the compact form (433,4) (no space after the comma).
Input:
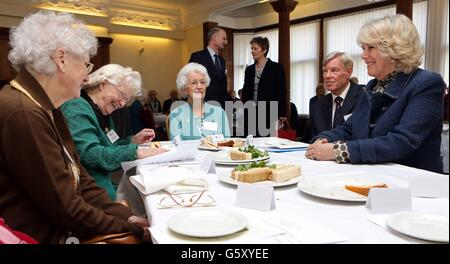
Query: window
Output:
(242,58)
(304,64)
(340,33)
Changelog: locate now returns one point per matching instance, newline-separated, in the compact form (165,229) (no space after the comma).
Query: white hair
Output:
(345,59)
(182,77)
(42,33)
(116,74)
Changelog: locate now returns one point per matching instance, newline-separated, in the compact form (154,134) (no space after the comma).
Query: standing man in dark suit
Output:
(215,65)
(334,108)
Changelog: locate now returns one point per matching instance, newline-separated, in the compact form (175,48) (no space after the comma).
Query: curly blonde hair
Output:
(396,37)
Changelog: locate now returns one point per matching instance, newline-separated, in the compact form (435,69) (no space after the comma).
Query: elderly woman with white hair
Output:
(44,190)
(399,117)
(109,88)
(195,118)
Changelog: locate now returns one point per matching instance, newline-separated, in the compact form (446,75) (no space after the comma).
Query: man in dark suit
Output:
(215,65)
(153,102)
(168,103)
(336,107)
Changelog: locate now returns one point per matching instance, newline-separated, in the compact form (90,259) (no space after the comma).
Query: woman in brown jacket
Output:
(44,191)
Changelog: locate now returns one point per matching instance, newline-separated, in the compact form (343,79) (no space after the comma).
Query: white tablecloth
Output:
(350,220)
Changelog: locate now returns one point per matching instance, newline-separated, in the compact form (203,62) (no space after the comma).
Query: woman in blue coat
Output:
(399,117)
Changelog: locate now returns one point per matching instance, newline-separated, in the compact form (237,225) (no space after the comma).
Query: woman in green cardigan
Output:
(101,150)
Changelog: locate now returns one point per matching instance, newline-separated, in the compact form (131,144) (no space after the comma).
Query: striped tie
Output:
(217,62)
(338,114)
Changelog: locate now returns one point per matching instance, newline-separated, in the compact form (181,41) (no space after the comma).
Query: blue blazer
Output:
(408,128)
(321,111)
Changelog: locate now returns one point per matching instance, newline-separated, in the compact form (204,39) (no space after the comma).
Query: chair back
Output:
(168,126)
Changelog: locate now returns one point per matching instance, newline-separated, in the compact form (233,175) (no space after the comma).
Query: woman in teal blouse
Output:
(101,151)
(195,119)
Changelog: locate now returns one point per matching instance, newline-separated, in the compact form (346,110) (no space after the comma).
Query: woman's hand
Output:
(147,237)
(320,150)
(144,136)
(140,221)
(146,152)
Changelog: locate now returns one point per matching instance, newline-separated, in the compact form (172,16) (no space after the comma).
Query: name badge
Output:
(112,136)
(211,126)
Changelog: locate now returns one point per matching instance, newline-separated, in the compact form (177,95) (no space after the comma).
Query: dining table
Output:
(296,216)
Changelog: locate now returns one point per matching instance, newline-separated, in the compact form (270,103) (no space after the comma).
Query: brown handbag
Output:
(118,238)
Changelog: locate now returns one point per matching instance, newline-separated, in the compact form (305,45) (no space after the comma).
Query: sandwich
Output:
(364,189)
(240,155)
(208,142)
(247,153)
(259,171)
(225,143)
(205,142)
(284,172)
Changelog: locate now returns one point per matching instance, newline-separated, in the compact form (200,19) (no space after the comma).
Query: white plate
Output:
(420,225)
(224,176)
(332,186)
(209,148)
(223,158)
(207,222)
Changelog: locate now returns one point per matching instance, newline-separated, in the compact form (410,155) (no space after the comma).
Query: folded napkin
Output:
(175,180)
(181,153)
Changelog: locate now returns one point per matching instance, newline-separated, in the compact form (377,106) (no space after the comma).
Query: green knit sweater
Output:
(98,155)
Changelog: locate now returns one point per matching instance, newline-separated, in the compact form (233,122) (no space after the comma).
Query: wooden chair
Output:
(168,126)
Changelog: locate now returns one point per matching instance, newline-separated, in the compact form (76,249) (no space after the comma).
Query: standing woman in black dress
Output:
(264,82)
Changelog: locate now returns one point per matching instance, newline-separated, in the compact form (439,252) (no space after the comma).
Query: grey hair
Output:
(212,32)
(116,74)
(396,37)
(42,33)
(182,77)
(345,59)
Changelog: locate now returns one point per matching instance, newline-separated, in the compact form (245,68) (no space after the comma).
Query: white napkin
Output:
(175,180)
(176,154)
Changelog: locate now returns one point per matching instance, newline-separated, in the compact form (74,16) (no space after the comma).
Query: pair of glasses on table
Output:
(180,201)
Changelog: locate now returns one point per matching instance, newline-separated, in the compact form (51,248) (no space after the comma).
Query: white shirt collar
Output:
(211,52)
(343,94)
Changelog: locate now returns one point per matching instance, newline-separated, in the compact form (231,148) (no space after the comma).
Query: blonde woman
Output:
(399,117)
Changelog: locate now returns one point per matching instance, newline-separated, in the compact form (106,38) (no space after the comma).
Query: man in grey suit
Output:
(215,65)
(334,108)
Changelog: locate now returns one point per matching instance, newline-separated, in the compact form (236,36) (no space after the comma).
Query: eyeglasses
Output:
(89,66)
(198,82)
(177,201)
(123,97)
